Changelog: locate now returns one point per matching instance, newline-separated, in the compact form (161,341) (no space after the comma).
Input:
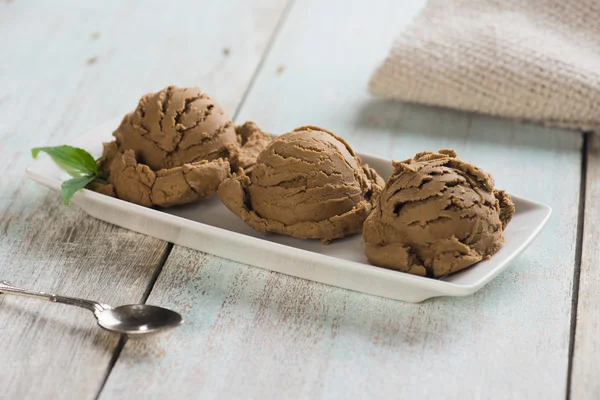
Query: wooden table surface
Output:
(67,66)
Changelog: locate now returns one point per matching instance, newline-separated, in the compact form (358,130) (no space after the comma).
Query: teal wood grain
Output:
(252,333)
(67,66)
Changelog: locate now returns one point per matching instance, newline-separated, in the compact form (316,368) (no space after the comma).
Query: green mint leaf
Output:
(74,160)
(73,185)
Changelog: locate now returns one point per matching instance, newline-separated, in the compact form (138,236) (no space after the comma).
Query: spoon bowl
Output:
(137,319)
(132,319)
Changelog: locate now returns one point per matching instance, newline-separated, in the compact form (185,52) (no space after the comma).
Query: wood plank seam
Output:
(113,360)
(578,258)
(583,376)
(156,273)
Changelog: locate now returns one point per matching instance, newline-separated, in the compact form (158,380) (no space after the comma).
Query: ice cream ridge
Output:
(437,215)
(307,183)
(175,148)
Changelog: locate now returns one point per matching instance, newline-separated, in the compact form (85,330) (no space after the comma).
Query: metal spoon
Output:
(133,319)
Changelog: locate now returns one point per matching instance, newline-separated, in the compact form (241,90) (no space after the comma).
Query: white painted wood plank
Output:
(256,334)
(66,67)
(586,368)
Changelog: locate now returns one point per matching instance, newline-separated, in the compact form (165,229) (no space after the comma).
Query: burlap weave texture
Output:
(526,59)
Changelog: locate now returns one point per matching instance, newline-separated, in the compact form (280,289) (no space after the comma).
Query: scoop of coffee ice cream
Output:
(307,183)
(437,215)
(174,148)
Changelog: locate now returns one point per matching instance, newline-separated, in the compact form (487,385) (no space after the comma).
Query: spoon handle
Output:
(8,288)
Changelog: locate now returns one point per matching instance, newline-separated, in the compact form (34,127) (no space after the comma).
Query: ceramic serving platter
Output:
(210,227)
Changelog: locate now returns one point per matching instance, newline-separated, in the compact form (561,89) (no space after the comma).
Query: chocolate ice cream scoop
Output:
(307,183)
(176,148)
(437,215)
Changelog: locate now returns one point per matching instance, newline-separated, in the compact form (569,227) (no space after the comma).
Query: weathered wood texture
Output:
(251,333)
(586,367)
(66,67)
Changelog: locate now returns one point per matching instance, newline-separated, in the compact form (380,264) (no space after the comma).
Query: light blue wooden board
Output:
(256,334)
(68,66)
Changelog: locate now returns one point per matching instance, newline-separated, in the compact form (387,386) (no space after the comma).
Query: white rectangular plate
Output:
(209,227)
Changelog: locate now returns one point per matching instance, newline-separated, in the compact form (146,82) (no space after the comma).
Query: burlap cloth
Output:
(533,60)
